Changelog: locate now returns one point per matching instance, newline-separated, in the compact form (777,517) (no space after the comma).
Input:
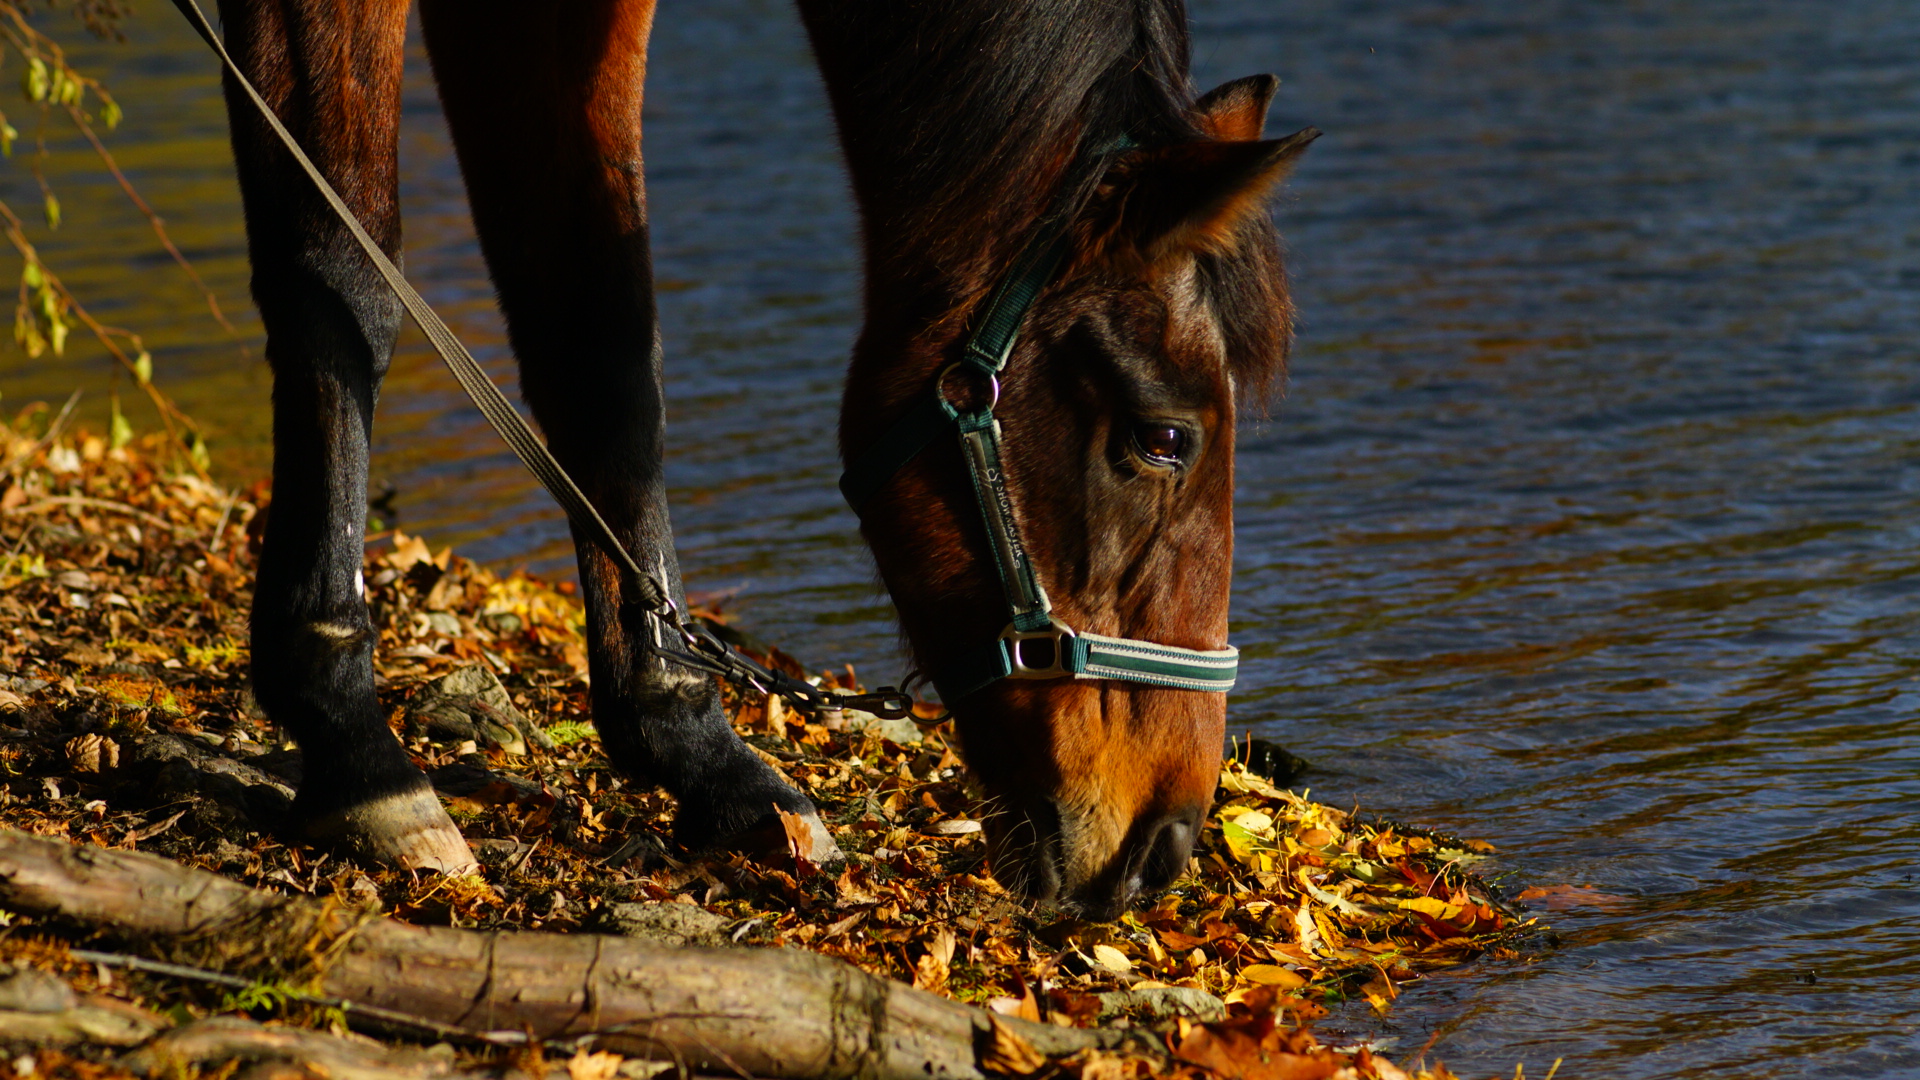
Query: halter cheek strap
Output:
(1035,645)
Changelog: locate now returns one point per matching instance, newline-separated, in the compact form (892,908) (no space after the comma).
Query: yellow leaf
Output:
(1431,906)
(1240,842)
(1112,959)
(1255,822)
(1272,975)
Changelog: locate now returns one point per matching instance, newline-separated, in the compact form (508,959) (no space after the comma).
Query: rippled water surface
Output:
(1588,524)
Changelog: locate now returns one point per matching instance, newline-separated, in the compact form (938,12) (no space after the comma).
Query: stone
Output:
(666,923)
(34,991)
(470,704)
(461,778)
(1162,1003)
(902,730)
(500,854)
(224,793)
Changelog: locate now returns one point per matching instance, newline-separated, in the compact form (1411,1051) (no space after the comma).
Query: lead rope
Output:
(703,652)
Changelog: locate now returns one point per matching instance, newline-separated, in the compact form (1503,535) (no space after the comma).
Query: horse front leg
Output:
(331,69)
(544,104)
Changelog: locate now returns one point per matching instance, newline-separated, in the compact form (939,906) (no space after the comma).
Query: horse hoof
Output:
(783,835)
(409,830)
(822,850)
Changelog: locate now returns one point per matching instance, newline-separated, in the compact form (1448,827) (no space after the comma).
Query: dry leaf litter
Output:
(125,722)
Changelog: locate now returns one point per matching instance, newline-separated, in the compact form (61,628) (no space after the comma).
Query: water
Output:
(1588,525)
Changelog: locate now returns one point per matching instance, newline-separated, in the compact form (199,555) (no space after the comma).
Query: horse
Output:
(1070,267)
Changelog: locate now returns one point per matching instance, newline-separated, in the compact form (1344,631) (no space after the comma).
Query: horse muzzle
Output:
(1053,856)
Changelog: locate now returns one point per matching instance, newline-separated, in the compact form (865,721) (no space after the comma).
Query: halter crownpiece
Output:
(1035,644)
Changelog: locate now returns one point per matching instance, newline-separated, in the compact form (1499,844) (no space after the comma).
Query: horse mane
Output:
(965,119)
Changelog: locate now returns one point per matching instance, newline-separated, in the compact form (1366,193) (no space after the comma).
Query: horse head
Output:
(1162,309)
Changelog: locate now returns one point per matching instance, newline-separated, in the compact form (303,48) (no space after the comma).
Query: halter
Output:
(1035,644)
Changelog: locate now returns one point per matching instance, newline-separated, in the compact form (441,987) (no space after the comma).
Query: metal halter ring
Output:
(915,678)
(940,386)
(1059,634)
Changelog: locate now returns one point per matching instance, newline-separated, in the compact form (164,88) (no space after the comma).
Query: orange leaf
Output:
(1236,1053)
(799,838)
(1562,897)
(1008,1052)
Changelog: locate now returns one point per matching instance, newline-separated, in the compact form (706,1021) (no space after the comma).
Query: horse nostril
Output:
(1167,849)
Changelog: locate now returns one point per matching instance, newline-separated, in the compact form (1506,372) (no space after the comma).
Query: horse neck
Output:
(960,120)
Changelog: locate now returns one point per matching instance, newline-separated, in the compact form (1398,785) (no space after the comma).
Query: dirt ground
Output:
(126,723)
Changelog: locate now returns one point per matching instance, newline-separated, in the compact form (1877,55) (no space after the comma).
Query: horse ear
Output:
(1157,202)
(1237,111)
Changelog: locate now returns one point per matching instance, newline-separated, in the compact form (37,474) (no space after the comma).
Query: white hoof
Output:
(410,831)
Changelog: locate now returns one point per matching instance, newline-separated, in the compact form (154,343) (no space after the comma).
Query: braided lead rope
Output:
(703,651)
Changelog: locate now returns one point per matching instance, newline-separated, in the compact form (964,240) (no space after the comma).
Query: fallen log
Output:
(221,1039)
(763,1012)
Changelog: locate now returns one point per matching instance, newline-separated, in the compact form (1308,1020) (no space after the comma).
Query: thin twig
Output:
(220,527)
(371,1012)
(53,429)
(57,501)
(53,432)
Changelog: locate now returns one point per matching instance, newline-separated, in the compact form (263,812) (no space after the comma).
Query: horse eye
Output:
(1161,444)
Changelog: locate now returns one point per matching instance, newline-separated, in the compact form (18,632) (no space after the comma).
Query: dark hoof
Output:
(781,836)
(754,810)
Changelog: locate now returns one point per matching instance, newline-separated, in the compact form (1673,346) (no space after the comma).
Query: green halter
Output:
(1018,653)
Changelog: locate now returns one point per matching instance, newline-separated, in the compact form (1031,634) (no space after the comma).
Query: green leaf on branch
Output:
(37,80)
(119,432)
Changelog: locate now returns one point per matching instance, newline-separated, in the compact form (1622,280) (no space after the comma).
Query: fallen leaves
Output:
(136,728)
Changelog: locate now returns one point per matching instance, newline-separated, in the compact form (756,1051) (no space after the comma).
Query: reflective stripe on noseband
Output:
(1035,645)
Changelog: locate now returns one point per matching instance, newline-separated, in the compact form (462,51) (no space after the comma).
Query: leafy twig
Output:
(170,414)
(159,227)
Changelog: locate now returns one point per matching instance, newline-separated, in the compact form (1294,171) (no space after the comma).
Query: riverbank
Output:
(124,587)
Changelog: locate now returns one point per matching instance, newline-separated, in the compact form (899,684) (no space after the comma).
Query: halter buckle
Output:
(992,387)
(1029,660)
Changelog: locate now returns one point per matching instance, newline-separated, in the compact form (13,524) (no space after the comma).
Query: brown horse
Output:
(1050,150)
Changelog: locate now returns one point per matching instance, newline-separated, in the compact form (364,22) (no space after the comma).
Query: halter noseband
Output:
(1018,653)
